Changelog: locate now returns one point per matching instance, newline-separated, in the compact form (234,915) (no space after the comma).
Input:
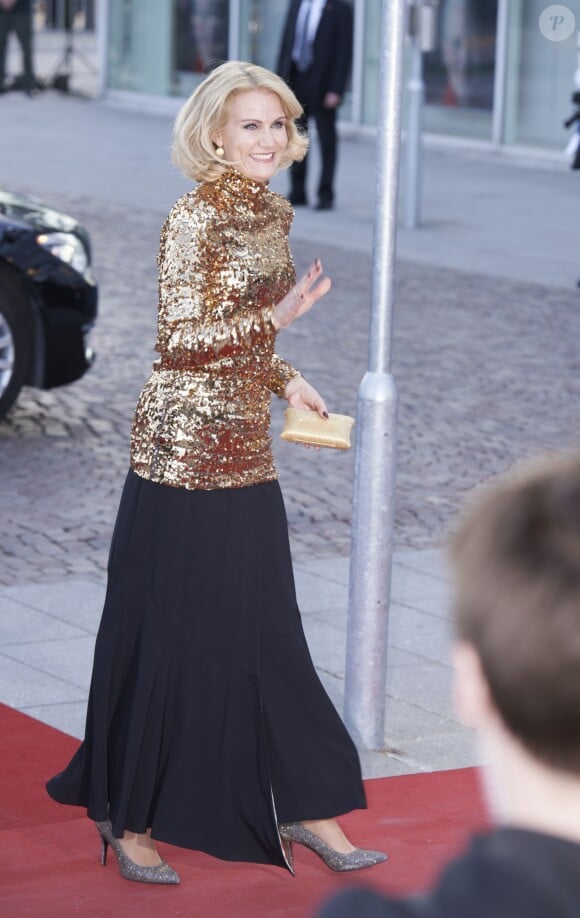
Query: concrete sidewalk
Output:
(502,216)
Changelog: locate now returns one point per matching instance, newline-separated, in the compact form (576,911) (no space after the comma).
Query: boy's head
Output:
(517,564)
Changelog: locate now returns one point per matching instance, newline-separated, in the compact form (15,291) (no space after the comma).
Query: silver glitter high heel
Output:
(161,873)
(354,860)
(287,846)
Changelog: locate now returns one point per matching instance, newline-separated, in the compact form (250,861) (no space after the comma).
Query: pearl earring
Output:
(219,151)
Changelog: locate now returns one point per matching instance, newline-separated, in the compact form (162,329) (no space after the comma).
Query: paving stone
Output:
(77,601)
(69,659)
(22,625)
(439,751)
(22,685)
(69,717)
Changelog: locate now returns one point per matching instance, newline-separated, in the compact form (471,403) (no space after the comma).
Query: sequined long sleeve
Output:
(194,288)
(281,374)
(203,417)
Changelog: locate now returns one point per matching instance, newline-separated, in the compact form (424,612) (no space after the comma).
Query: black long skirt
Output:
(206,720)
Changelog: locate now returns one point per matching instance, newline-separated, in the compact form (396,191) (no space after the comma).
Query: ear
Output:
(472,699)
(217,139)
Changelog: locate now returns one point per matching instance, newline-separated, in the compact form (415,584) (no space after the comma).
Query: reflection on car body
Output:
(48,297)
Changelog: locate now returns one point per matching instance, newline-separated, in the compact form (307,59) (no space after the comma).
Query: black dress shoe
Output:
(324,205)
(297,200)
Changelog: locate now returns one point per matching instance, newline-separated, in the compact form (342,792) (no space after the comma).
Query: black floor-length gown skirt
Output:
(206,720)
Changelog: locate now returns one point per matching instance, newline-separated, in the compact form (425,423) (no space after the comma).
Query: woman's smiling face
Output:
(255,134)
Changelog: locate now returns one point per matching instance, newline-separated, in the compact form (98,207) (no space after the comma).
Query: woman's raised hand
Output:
(301,297)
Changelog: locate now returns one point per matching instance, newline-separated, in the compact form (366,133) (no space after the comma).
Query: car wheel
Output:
(14,344)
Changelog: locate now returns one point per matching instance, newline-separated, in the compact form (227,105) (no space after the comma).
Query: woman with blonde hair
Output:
(207,726)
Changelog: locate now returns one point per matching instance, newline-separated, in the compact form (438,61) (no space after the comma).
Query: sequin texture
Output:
(203,417)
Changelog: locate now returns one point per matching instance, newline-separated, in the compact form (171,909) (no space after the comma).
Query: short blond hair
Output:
(206,112)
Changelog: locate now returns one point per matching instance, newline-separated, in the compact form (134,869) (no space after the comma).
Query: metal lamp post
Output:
(375,460)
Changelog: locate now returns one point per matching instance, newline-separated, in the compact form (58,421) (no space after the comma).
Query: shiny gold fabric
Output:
(203,417)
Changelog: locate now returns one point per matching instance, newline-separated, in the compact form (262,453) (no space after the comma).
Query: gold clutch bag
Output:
(308,427)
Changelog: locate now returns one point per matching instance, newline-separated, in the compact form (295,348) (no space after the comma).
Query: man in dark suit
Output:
(517,565)
(16,17)
(315,59)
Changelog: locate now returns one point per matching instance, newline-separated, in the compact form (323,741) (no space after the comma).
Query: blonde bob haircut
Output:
(206,112)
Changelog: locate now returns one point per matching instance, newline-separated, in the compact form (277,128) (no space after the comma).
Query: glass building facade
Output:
(493,75)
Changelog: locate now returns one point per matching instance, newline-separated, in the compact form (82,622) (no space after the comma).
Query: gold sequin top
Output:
(203,417)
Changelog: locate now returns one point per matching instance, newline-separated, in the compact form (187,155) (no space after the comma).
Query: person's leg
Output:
(141,848)
(331,833)
(298,172)
(4,32)
(300,86)
(23,31)
(326,127)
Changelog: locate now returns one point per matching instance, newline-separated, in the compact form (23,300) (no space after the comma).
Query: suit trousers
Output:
(21,25)
(325,120)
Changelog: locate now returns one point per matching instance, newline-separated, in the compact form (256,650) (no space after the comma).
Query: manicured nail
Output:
(325,413)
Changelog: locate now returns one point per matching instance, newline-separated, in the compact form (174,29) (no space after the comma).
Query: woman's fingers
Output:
(320,290)
(306,397)
(307,293)
(310,288)
(315,402)
(313,274)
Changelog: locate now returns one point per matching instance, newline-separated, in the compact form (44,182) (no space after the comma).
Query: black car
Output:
(48,297)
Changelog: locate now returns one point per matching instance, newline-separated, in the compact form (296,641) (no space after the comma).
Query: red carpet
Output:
(50,854)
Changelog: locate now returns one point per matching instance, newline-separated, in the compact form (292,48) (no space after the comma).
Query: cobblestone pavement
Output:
(487,372)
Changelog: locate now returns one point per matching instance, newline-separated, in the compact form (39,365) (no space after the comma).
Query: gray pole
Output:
(102,16)
(375,460)
(413,141)
(423,35)
(501,70)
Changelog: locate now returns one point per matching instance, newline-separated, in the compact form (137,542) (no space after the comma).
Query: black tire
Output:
(15,346)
